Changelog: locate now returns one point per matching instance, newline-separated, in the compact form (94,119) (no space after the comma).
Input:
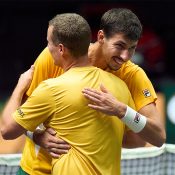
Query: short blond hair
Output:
(73,31)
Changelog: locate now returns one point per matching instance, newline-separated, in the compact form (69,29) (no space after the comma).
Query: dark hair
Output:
(73,31)
(121,20)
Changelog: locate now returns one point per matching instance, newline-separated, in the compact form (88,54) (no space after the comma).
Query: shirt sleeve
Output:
(44,69)
(140,86)
(38,108)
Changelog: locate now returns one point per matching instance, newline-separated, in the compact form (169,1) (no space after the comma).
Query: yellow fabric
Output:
(138,84)
(95,139)
(44,69)
(134,77)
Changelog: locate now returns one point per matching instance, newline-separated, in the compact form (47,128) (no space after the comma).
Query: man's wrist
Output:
(135,121)
(29,134)
(33,135)
(36,135)
(120,110)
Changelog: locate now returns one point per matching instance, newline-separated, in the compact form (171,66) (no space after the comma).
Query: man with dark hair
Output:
(116,20)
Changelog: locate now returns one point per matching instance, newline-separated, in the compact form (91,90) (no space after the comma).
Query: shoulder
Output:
(114,81)
(44,87)
(129,68)
(131,71)
(44,61)
(44,55)
(53,83)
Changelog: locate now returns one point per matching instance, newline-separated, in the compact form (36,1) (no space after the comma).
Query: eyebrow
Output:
(124,44)
(119,42)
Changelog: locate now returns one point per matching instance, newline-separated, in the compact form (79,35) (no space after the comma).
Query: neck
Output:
(96,56)
(82,61)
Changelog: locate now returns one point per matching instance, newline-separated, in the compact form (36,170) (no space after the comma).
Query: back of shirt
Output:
(134,77)
(95,138)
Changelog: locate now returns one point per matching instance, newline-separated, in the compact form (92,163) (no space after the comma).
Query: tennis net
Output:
(138,161)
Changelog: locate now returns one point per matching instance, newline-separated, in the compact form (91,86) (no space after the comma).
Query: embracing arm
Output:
(144,97)
(20,95)
(45,69)
(152,131)
(10,129)
(53,145)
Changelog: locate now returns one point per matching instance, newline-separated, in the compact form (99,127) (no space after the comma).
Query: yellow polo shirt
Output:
(138,83)
(95,138)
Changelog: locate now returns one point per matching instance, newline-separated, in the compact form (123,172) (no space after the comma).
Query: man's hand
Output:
(25,80)
(104,101)
(10,129)
(47,139)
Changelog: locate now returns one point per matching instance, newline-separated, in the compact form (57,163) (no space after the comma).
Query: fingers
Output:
(99,108)
(95,95)
(31,70)
(32,67)
(59,146)
(52,138)
(25,80)
(56,153)
(60,141)
(103,89)
(93,91)
(91,94)
(51,131)
(55,142)
(56,150)
(91,98)
(29,73)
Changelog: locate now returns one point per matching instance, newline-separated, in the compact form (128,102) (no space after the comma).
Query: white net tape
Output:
(138,161)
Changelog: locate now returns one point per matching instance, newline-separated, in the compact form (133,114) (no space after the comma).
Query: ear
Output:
(100,36)
(61,49)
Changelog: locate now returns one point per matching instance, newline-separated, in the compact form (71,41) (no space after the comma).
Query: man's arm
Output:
(53,145)
(143,94)
(10,129)
(132,140)
(153,132)
(45,69)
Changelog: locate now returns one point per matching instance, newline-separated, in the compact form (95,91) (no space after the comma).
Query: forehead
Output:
(120,38)
(49,32)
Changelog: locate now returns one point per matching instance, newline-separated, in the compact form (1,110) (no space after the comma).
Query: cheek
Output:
(109,59)
(53,53)
(114,52)
(51,49)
